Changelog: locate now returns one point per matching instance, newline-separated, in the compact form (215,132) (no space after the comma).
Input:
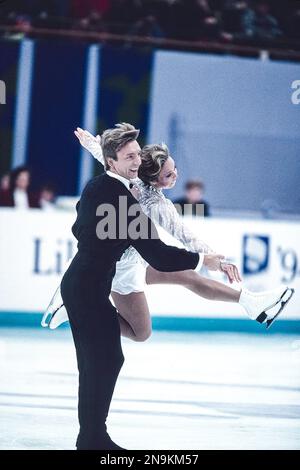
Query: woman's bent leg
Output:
(134,316)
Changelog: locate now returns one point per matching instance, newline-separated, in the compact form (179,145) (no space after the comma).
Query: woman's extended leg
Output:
(257,305)
(133,312)
(207,288)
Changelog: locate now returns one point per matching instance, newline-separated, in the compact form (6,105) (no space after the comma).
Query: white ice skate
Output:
(55,306)
(261,306)
(59,317)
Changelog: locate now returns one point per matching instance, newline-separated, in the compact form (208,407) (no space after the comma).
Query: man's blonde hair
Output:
(112,140)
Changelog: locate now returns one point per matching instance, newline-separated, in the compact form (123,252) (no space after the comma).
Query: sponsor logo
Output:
(256,253)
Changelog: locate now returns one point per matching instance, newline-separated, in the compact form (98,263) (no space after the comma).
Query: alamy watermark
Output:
(295,97)
(123,222)
(128,221)
(2,92)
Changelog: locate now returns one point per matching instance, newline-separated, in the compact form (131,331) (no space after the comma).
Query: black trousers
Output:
(96,333)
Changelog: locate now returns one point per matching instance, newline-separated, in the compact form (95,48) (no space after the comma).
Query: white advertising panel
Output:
(35,248)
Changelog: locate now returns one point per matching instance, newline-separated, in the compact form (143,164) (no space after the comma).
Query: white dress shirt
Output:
(125,181)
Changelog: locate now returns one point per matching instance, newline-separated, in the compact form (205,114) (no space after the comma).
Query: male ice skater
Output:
(86,284)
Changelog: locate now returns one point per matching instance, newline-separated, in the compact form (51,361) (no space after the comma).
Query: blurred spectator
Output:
(92,22)
(47,197)
(259,23)
(4,182)
(18,194)
(255,24)
(194,192)
(210,27)
(147,26)
(232,19)
(157,12)
(90,14)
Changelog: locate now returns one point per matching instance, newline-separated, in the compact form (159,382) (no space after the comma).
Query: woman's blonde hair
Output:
(153,158)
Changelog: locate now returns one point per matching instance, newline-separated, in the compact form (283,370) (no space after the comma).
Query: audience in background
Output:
(148,26)
(255,24)
(15,191)
(47,197)
(246,21)
(193,203)
(18,194)
(4,182)
(260,23)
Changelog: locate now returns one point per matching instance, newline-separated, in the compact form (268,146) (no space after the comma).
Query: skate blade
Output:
(48,317)
(285,298)
(49,312)
(50,325)
(263,315)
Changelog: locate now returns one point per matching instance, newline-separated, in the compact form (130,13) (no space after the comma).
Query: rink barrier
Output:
(173,324)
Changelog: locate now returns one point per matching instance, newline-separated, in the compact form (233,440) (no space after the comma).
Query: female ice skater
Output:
(156,173)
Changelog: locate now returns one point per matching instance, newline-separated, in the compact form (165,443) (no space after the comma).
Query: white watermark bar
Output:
(2,92)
